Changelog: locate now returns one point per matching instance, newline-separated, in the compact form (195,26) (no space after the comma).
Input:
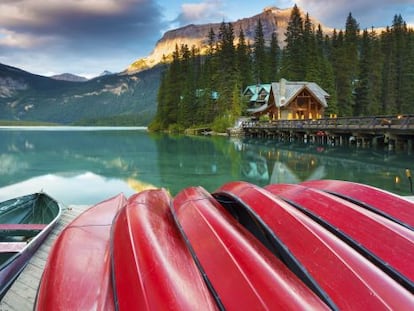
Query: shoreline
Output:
(71,128)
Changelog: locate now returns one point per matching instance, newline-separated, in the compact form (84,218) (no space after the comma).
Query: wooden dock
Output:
(395,132)
(22,294)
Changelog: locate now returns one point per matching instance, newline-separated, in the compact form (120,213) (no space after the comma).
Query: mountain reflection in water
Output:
(88,166)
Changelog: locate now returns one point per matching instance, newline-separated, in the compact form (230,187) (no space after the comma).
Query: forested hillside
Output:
(365,72)
(116,99)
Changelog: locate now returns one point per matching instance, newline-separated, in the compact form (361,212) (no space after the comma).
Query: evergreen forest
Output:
(364,71)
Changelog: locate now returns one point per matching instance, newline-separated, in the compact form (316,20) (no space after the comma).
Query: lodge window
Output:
(302,100)
(262,95)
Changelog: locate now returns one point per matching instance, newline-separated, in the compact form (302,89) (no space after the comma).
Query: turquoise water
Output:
(88,165)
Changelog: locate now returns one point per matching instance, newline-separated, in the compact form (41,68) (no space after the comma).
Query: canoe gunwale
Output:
(388,269)
(346,190)
(197,262)
(282,251)
(370,208)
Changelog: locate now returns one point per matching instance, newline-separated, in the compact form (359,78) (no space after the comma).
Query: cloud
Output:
(78,27)
(368,13)
(88,21)
(200,13)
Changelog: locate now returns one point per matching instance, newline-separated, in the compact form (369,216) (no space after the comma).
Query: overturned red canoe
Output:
(386,243)
(243,274)
(152,267)
(377,200)
(77,273)
(336,271)
(286,247)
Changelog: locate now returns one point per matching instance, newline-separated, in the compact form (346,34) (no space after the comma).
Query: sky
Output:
(86,37)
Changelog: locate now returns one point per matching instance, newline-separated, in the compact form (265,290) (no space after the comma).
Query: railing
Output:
(400,122)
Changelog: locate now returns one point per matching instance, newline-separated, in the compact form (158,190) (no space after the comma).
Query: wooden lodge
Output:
(287,100)
(296,113)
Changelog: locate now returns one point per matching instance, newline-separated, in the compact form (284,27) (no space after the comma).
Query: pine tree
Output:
(404,64)
(389,74)
(244,64)
(293,65)
(209,80)
(158,122)
(259,52)
(363,88)
(274,59)
(345,62)
(226,54)
(367,92)
(407,87)
(351,41)
(313,58)
(173,96)
(326,77)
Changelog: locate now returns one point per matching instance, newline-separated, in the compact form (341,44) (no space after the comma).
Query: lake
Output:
(87,165)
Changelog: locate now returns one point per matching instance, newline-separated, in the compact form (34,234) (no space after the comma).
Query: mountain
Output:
(25,96)
(69,77)
(274,20)
(105,73)
(133,92)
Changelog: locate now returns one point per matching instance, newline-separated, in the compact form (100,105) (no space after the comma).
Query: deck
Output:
(395,131)
(21,296)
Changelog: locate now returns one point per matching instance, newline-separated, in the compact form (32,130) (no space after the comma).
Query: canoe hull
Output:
(385,243)
(152,267)
(324,261)
(282,247)
(25,224)
(234,261)
(77,273)
(386,204)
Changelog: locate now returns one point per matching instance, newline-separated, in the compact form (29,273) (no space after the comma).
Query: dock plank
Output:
(22,294)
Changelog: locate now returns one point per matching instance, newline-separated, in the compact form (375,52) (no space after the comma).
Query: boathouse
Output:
(290,100)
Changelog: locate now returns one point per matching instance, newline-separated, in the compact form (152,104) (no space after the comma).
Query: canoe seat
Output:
(20,229)
(11,247)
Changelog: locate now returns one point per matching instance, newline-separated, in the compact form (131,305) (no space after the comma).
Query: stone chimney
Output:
(282,92)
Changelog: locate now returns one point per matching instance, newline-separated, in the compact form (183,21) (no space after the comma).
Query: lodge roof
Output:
(285,91)
(254,91)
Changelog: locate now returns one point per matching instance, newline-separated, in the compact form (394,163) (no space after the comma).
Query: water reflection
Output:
(84,188)
(84,167)
(293,163)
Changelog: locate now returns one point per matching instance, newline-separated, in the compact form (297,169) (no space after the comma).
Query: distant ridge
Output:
(110,99)
(105,73)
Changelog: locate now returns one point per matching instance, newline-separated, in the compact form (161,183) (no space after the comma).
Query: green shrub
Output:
(222,123)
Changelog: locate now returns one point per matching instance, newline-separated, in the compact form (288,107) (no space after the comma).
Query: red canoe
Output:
(77,273)
(243,274)
(286,247)
(380,201)
(337,272)
(387,244)
(152,267)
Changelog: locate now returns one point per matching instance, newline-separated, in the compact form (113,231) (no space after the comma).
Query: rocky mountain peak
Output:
(273,19)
